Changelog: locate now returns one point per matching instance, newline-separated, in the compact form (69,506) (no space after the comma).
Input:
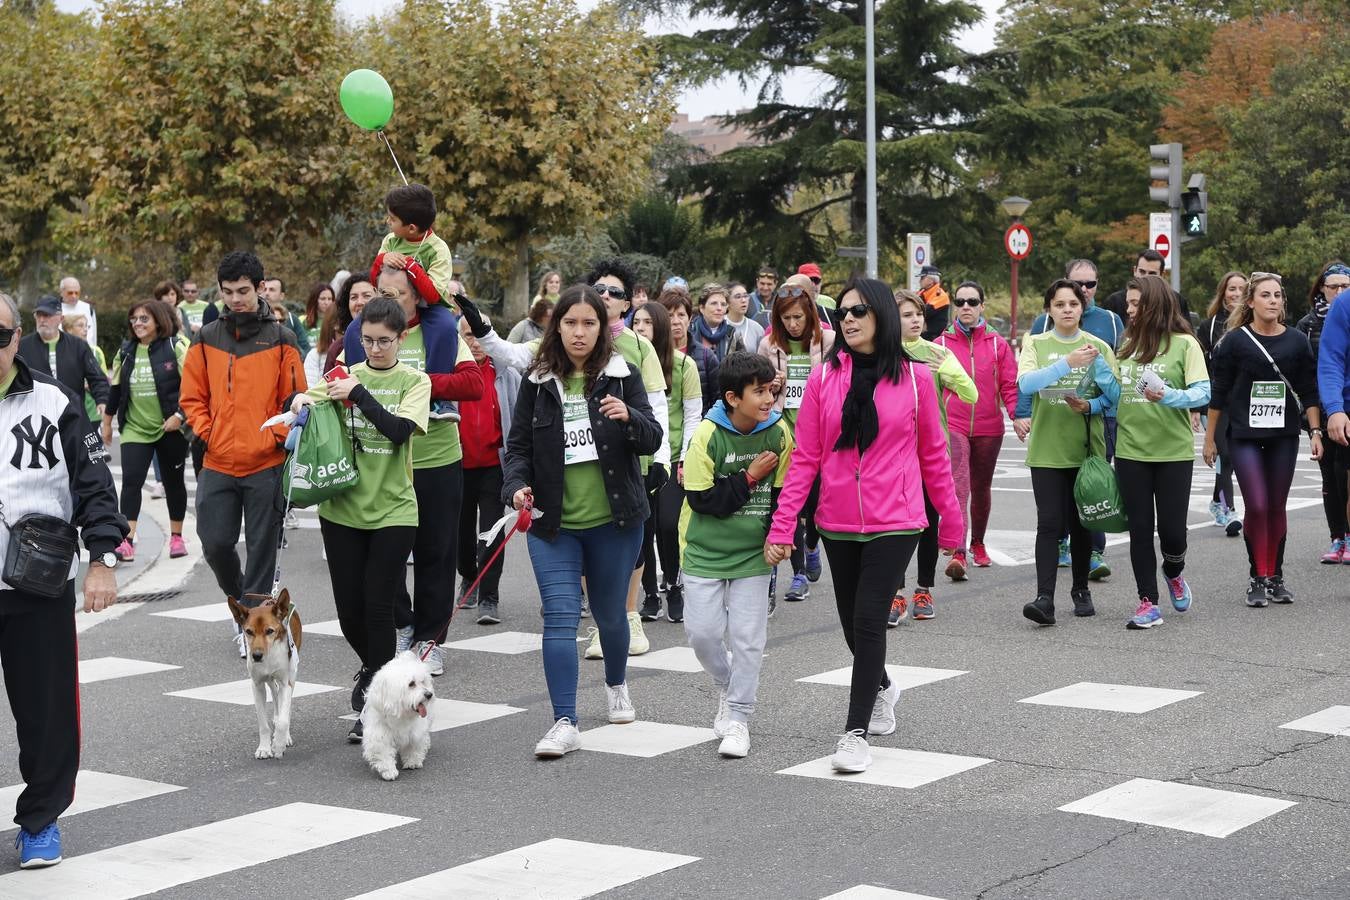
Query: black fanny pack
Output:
(40,553)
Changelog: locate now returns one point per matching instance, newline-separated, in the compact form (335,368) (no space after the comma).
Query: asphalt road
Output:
(1209,796)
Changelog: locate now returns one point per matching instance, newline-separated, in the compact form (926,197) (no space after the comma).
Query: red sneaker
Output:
(956,569)
(980,555)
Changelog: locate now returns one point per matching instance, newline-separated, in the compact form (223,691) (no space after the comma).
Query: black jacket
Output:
(534,449)
(708,367)
(168,378)
(75,364)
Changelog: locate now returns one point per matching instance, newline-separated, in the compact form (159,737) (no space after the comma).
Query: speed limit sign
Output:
(1017,241)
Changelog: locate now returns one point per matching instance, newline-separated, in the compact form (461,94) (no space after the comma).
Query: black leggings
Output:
(1166,488)
(439,491)
(1333,466)
(1265,470)
(661,537)
(172,450)
(366,567)
(866,575)
(807,536)
(1223,467)
(1056,514)
(479,510)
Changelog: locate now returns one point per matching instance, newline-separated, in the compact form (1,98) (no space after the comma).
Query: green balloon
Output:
(367,99)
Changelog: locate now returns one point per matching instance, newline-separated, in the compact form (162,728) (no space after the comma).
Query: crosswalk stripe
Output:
(159,863)
(557,868)
(106,668)
(96,790)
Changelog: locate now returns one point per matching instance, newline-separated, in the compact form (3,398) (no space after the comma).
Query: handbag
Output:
(39,555)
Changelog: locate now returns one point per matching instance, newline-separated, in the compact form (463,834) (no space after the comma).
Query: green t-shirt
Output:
(193,311)
(794,388)
(432,253)
(733,547)
(90,407)
(585,502)
(7,381)
(684,384)
(145,417)
(1057,433)
(440,445)
(641,355)
(384,494)
(1151,432)
(826,301)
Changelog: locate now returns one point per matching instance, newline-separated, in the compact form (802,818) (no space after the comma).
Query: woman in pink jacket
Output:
(977,431)
(870,429)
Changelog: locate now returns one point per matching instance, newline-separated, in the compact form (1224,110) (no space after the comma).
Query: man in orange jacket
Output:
(937,305)
(242,369)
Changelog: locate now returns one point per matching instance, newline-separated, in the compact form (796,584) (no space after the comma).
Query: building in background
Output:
(710,134)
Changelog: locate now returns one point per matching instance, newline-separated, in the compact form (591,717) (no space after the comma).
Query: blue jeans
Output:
(603,556)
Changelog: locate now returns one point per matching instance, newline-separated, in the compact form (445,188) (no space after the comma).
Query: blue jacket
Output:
(1098,322)
(1333,358)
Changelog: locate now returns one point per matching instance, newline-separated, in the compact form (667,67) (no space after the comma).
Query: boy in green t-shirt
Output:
(411,213)
(734,465)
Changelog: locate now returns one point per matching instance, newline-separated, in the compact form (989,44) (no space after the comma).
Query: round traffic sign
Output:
(1163,244)
(1017,241)
(919,255)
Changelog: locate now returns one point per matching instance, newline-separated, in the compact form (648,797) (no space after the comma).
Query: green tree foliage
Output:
(1279,195)
(44,113)
(216,123)
(527,120)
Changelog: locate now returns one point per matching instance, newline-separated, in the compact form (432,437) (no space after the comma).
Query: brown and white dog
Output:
(272,630)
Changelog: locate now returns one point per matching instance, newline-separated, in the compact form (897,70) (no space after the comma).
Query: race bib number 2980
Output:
(578,439)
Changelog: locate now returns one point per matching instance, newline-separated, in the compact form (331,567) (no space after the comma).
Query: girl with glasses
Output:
(869,428)
(368,530)
(1263,380)
(143,397)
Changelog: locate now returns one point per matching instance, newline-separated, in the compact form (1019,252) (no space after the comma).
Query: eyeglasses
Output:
(617,293)
(1086,285)
(1261,276)
(790,290)
(856,311)
(140,320)
(384,343)
(970,301)
(1339,286)
(7,335)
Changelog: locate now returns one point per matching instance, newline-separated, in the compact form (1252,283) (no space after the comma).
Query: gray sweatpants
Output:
(223,502)
(727,622)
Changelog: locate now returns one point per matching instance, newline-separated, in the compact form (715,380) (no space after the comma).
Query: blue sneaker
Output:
(813,565)
(1098,568)
(1146,616)
(1181,593)
(1064,559)
(799,589)
(41,849)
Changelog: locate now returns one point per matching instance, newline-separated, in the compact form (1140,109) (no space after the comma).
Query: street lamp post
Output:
(871,137)
(1015,207)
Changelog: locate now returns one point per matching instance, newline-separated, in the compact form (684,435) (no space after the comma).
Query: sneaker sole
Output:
(552,754)
(919,617)
(622,718)
(853,769)
(489,620)
(1258,604)
(1233,529)
(1132,625)
(813,578)
(1333,562)
(1085,613)
(1035,615)
(732,754)
(590,655)
(872,731)
(650,617)
(1099,573)
(39,863)
(1282,602)
(895,624)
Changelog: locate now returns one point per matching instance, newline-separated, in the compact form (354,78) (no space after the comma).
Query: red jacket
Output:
(990,362)
(480,423)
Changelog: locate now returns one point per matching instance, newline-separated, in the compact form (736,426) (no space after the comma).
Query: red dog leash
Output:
(524,518)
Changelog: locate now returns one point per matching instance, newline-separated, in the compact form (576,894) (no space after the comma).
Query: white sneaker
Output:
(851,754)
(736,744)
(242,643)
(292,520)
(637,638)
(621,710)
(403,639)
(156,490)
(435,660)
(723,717)
(883,710)
(561,739)
(593,649)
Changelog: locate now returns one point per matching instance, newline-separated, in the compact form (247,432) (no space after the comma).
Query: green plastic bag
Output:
(1097,494)
(323,463)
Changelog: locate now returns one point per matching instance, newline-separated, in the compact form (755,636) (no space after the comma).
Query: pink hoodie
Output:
(990,362)
(881,490)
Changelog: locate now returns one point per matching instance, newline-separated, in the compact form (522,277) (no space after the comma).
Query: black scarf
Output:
(858,426)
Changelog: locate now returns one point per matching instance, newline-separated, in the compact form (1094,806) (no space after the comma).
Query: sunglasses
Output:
(617,293)
(790,290)
(1086,285)
(140,320)
(7,335)
(970,301)
(856,311)
(767,275)
(1258,276)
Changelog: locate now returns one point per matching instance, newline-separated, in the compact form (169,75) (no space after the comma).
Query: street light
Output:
(1015,207)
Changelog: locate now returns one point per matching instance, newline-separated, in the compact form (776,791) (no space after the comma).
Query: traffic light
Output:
(1170,173)
(1195,208)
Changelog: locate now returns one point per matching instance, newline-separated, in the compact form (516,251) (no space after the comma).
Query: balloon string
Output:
(392,156)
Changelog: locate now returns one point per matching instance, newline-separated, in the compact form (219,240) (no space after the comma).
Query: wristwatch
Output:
(107,560)
(1315,431)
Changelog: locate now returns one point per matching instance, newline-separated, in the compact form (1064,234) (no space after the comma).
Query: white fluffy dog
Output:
(397,716)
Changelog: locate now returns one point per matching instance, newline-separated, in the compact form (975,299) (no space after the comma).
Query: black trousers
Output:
(1056,515)
(479,510)
(1166,488)
(866,575)
(38,655)
(807,535)
(366,567)
(136,459)
(439,493)
(661,537)
(1334,467)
